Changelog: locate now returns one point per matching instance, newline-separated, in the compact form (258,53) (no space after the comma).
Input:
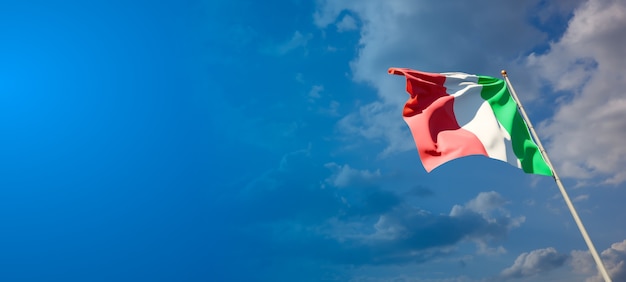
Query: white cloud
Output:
(490,206)
(412,229)
(614,259)
(431,36)
(581,198)
(534,263)
(378,121)
(406,233)
(582,262)
(315,91)
(346,176)
(348,23)
(585,135)
(318,103)
(298,40)
(486,202)
(587,132)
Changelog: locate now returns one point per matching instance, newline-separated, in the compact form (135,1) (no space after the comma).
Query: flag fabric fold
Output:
(453,115)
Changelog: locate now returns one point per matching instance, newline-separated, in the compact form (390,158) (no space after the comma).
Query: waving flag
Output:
(453,115)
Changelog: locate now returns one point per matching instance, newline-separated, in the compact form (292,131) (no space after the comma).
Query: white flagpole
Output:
(572,210)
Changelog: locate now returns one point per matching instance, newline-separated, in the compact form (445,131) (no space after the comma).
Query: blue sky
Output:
(263,141)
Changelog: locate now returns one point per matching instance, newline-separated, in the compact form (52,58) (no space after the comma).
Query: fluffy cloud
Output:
(534,263)
(307,215)
(409,234)
(490,205)
(586,132)
(586,61)
(315,92)
(614,259)
(379,121)
(298,40)
(345,176)
(483,204)
(415,34)
(344,221)
(346,24)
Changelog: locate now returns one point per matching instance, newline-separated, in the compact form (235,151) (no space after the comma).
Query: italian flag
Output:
(453,115)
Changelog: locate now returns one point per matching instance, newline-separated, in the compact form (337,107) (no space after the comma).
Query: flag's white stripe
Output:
(474,114)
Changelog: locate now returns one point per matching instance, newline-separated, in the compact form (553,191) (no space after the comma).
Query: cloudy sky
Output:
(263,141)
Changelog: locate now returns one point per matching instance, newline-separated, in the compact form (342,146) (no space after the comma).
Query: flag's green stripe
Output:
(497,95)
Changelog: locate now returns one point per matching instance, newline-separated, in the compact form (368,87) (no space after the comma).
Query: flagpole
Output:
(572,210)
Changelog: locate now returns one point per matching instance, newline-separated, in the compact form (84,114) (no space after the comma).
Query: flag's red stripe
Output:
(430,116)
